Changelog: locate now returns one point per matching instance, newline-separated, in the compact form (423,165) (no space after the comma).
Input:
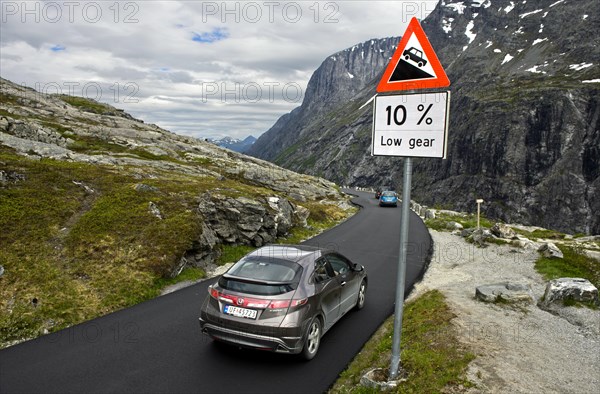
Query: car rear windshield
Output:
(262,276)
(389,194)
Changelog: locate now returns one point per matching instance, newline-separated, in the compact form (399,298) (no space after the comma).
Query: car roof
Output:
(295,253)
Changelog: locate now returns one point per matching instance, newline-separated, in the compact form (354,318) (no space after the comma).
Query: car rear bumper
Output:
(291,344)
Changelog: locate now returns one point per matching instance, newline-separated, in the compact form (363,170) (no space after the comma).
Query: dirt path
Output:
(520,349)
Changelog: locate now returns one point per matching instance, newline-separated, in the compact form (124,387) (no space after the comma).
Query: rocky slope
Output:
(519,347)
(524,119)
(97,208)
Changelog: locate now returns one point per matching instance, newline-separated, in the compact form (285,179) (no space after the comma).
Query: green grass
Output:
(85,254)
(191,274)
(440,223)
(498,241)
(232,253)
(85,104)
(430,351)
(91,145)
(575,264)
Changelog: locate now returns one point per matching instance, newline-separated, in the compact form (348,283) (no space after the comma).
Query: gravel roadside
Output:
(520,348)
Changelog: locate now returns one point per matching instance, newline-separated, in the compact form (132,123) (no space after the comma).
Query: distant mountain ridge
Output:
(234,144)
(524,119)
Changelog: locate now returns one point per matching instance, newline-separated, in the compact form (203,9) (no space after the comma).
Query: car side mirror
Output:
(358,268)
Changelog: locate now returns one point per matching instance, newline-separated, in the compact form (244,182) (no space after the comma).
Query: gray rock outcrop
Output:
(550,250)
(479,236)
(242,220)
(573,289)
(452,225)
(502,230)
(505,292)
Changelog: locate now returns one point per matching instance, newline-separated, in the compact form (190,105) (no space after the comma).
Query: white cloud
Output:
(163,60)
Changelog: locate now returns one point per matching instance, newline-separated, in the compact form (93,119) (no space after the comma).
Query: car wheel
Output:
(406,57)
(362,293)
(313,339)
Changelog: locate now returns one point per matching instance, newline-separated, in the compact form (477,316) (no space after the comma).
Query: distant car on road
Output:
(415,55)
(388,198)
(380,190)
(283,298)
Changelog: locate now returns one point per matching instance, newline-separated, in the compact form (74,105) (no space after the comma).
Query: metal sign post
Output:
(407,178)
(410,125)
(478,201)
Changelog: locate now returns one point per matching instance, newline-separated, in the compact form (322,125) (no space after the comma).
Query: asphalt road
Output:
(157,346)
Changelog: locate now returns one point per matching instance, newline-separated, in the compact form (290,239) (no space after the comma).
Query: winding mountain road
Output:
(157,347)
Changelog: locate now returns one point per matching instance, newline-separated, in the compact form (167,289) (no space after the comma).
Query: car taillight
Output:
(280,304)
(217,295)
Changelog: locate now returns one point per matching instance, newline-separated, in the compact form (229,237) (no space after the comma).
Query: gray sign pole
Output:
(395,362)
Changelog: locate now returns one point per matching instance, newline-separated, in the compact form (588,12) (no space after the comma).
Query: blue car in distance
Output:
(388,199)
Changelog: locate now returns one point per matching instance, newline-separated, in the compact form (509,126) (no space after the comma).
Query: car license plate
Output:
(240,312)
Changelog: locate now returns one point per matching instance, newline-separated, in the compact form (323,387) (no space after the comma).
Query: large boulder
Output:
(549,250)
(504,292)
(525,243)
(502,230)
(452,225)
(570,289)
(301,215)
(479,236)
(430,214)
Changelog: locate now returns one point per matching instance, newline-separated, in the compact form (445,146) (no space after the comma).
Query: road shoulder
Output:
(519,348)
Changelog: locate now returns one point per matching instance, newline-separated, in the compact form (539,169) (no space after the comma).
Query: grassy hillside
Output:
(97,209)
(80,240)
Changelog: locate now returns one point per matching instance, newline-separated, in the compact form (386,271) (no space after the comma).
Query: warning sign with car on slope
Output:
(413,124)
(414,65)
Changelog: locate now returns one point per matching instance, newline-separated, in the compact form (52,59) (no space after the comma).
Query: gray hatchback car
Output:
(283,298)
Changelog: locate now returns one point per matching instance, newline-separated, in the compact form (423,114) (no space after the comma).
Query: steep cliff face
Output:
(339,79)
(524,119)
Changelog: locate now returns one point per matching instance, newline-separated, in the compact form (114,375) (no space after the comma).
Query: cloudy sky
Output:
(200,68)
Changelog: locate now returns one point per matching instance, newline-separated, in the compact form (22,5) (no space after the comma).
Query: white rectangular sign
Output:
(411,125)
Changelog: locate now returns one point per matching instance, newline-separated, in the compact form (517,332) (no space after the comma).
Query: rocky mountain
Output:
(235,144)
(524,129)
(99,210)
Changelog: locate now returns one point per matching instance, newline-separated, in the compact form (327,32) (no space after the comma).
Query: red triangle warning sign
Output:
(414,65)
